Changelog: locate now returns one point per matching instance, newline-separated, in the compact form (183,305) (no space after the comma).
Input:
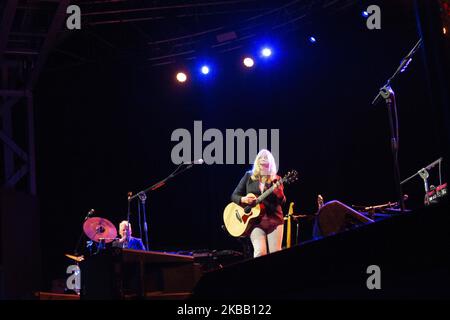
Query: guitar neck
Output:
(266,193)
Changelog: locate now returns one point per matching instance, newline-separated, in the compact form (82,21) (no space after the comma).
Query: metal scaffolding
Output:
(153,32)
(23,53)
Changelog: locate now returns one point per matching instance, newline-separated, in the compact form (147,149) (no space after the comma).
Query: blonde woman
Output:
(266,234)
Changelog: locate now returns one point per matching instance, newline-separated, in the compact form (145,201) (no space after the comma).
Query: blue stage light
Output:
(312,39)
(205,69)
(365,14)
(266,52)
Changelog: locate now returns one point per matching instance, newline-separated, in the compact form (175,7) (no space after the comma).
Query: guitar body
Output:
(238,222)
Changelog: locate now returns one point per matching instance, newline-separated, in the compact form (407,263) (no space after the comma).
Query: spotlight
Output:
(365,14)
(266,52)
(312,39)
(444,30)
(181,77)
(248,62)
(205,69)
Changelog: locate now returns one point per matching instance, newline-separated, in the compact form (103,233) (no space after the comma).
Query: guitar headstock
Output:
(290,177)
(319,201)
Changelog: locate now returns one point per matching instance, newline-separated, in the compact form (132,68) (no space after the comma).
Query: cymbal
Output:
(77,259)
(98,229)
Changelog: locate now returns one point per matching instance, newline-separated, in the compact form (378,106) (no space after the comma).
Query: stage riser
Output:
(412,252)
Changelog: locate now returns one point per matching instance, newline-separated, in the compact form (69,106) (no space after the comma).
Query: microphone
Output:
(89,214)
(198,161)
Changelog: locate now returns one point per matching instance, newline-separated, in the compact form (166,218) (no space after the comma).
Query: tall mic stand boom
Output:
(142,195)
(387,94)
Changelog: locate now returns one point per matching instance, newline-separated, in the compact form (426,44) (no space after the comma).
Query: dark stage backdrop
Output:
(104,129)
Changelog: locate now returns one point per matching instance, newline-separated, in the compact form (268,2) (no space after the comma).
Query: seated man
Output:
(126,241)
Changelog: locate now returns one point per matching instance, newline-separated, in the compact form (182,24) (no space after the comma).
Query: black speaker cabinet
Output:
(126,274)
(20,251)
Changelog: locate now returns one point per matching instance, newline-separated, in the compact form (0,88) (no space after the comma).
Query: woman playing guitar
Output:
(269,225)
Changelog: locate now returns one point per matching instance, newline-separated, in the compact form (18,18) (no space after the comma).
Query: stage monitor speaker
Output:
(335,217)
(20,251)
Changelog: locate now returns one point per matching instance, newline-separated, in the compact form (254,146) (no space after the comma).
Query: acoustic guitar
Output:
(238,219)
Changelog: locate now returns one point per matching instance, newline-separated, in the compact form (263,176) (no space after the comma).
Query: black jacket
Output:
(272,204)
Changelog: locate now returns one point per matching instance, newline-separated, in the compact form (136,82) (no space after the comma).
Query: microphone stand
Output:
(91,212)
(142,195)
(387,94)
(423,173)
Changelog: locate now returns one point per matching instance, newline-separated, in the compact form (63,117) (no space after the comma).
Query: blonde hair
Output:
(126,223)
(256,171)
